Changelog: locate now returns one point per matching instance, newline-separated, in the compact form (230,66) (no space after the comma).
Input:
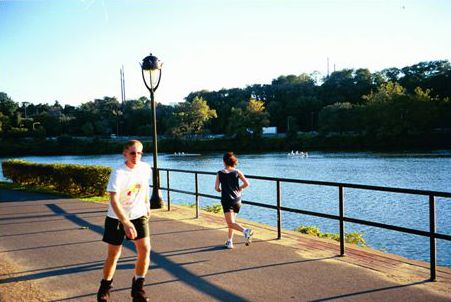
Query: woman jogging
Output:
(227,182)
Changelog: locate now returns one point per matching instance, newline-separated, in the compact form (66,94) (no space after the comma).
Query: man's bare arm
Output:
(129,228)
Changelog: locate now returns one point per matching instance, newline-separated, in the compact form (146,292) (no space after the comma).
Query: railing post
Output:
(279,212)
(432,237)
(197,195)
(169,193)
(342,223)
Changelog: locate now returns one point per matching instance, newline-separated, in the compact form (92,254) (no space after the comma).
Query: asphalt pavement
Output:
(56,243)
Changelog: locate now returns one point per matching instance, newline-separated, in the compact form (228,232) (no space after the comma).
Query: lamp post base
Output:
(156,200)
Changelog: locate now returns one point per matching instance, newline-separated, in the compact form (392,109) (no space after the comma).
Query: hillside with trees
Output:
(394,103)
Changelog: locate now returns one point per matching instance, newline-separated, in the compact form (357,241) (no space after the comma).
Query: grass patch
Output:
(104,198)
(189,205)
(28,188)
(214,208)
(353,237)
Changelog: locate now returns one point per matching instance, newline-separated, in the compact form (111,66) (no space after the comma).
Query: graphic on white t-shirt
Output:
(132,187)
(128,197)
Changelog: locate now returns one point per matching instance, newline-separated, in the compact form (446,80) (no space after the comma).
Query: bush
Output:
(309,230)
(354,237)
(214,208)
(77,180)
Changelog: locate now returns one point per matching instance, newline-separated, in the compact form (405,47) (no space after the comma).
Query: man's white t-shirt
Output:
(132,187)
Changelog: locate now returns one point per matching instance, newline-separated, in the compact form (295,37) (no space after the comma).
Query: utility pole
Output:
(122,85)
(25,104)
(121,109)
(327,67)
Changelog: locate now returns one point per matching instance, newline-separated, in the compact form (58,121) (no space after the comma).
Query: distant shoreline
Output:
(83,146)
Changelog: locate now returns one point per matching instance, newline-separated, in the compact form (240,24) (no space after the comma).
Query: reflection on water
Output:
(427,171)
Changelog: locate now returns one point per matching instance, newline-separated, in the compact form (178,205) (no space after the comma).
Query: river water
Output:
(420,170)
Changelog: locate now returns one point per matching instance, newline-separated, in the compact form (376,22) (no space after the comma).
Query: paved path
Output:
(55,244)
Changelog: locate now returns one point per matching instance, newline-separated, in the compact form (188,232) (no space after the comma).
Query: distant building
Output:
(269,130)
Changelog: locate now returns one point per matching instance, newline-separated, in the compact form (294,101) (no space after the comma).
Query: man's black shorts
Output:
(114,231)
(228,206)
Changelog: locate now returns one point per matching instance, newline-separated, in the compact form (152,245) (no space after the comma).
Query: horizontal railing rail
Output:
(328,183)
(432,234)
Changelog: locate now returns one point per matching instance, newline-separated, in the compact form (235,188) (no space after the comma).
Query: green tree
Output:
(192,116)
(8,109)
(385,93)
(248,121)
(137,116)
(291,96)
(392,111)
(88,129)
(50,122)
(347,85)
(444,114)
(237,125)
(7,106)
(257,117)
(381,116)
(340,117)
(427,75)
(222,102)
(164,114)
(292,128)
(2,119)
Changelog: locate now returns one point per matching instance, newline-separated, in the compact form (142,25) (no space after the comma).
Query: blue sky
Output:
(72,50)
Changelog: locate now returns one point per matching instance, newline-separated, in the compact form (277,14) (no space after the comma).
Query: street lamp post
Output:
(152,65)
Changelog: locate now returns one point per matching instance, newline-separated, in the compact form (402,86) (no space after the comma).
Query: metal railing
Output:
(432,234)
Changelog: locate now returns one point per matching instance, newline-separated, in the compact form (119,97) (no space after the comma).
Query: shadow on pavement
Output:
(40,232)
(125,259)
(49,215)
(48,246)
(178,271)
(11,196)
(48,220)
(72,269)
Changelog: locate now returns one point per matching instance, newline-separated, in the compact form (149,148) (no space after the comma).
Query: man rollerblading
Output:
(128,217)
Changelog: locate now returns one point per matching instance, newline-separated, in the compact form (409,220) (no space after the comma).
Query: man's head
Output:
(132,152)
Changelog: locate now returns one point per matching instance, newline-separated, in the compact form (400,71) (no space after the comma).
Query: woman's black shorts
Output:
(228,206)
(114,231)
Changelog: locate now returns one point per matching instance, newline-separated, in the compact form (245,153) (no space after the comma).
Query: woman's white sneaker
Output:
(248,233)
(228,244)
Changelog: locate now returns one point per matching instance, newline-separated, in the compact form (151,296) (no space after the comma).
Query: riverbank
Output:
(67,145)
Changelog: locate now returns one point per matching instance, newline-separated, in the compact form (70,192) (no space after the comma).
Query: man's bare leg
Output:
(141,267)
(109,267)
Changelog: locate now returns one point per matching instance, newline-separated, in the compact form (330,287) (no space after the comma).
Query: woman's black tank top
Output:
(229,186)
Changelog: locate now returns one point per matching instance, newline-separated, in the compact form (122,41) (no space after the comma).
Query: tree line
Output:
(389,103)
